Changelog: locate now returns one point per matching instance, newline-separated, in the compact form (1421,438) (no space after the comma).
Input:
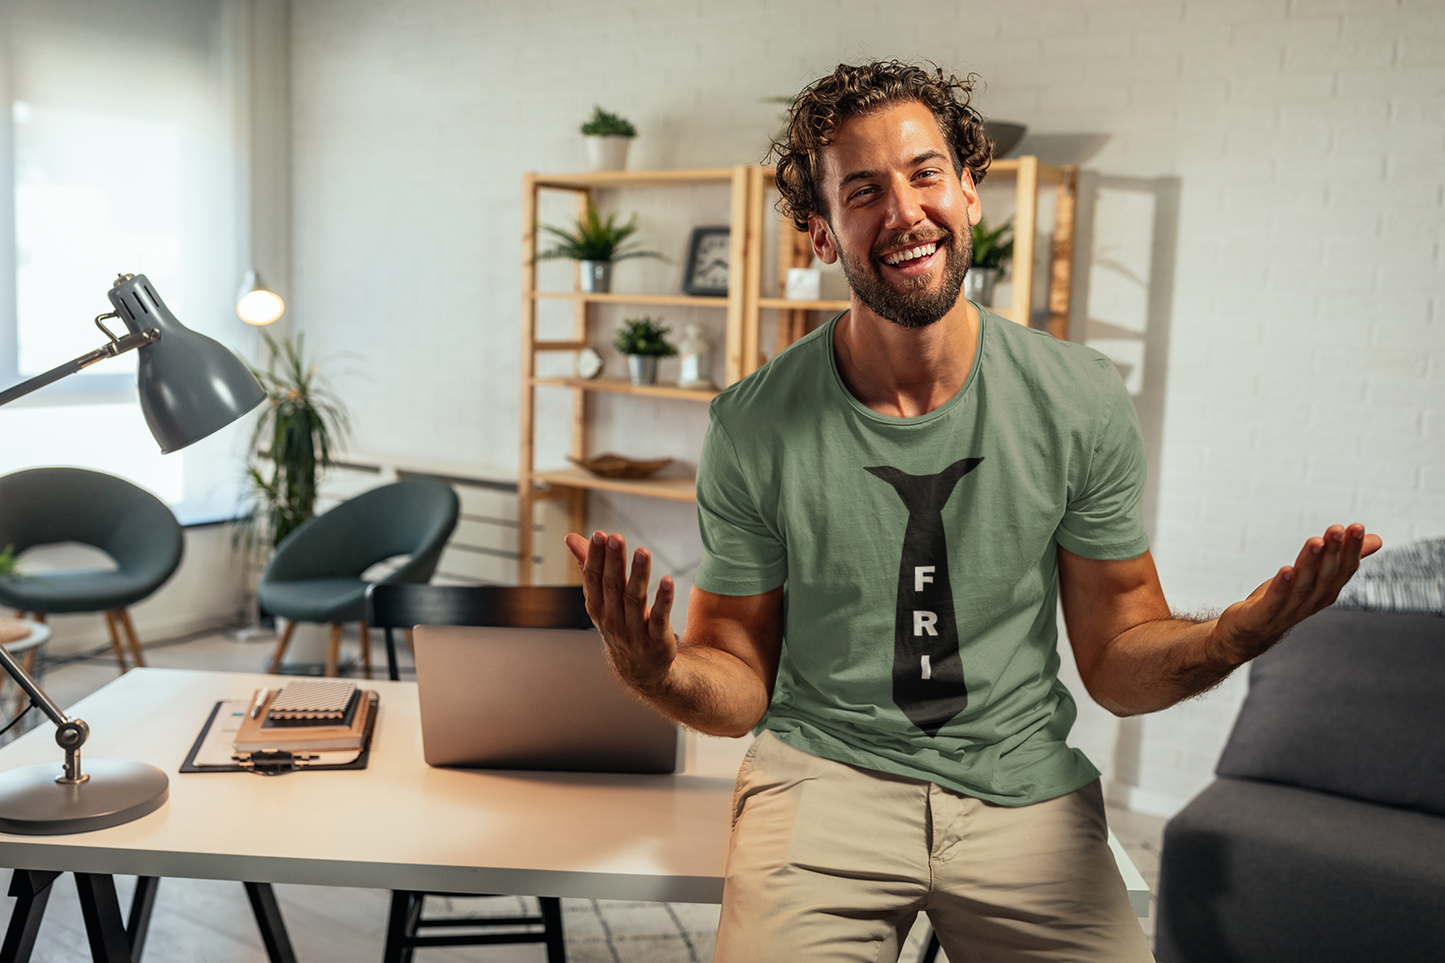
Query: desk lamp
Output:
(190,386)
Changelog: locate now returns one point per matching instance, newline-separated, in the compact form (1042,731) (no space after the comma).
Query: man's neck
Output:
(905,372)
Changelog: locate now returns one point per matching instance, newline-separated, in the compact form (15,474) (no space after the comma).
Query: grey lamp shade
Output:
(190,385)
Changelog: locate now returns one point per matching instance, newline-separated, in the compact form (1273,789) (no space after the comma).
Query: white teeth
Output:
(923,250)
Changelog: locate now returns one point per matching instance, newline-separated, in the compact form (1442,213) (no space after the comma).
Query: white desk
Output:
(398,824)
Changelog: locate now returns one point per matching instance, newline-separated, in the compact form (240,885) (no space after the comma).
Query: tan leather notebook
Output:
(260,732)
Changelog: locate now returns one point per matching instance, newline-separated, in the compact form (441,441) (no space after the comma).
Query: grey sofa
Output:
(1323,839)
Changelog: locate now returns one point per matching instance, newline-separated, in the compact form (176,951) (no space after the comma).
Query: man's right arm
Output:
(717,679)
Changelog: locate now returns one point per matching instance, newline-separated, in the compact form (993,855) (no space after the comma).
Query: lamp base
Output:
(32,803)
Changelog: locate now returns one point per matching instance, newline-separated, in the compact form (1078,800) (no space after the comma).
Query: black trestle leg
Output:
(552,916)
(100,908)
(401,926)
(31,889)
(139,922)
(269,922)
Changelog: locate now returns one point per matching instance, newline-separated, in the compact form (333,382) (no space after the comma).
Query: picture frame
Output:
(709,255)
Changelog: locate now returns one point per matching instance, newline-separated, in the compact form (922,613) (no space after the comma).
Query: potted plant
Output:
(299,427)
(608,137)
(991,251)
(595,244)
(643,340)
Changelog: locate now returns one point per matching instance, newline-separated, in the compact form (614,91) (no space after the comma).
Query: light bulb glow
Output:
(259,307)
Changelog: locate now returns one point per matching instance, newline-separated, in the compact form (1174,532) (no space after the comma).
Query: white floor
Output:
(210,922)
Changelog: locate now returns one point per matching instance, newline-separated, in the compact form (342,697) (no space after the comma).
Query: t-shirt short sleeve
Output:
(741,554)
(1104,518)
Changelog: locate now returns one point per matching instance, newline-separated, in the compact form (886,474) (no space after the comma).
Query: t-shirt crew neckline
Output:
(922,419)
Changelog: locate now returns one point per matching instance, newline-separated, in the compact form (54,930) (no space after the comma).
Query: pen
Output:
(260,701)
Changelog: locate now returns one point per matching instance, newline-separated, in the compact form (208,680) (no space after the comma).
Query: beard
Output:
(914,306)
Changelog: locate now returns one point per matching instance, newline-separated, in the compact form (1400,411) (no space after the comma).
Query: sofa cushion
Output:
(1351,703)
(1259,873)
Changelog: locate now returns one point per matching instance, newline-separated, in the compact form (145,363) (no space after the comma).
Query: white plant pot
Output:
(608,153)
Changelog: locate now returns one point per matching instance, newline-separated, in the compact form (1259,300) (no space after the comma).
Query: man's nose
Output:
(905,209)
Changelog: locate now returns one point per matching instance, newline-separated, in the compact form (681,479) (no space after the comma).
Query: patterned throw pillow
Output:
(1410,578)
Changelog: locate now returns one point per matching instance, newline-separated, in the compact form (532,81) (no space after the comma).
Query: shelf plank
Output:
(717,175)
(674,489)
(803,305)
(622,386)
(675,300)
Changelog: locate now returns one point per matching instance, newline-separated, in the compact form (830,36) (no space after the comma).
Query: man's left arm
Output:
(1135,656)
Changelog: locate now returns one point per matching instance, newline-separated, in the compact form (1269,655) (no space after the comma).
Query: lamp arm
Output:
(117,346)
(70,734)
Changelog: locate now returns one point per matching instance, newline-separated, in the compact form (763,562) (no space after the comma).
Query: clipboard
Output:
(206,754)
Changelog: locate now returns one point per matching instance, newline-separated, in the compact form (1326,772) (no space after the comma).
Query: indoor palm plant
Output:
(595,242)
(608,136)
(644,341)
(991,251)
(300,425)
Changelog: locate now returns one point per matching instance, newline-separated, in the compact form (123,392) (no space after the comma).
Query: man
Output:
(889,511)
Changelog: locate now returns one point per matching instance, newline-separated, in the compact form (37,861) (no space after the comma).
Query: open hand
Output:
(1297,591)
(640,643)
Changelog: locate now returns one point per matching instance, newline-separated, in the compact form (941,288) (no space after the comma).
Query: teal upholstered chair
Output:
(43,506)
(315,575)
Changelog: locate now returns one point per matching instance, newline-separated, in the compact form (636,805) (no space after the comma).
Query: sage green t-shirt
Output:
(918,555)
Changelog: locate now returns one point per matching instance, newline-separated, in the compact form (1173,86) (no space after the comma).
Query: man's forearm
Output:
(1157,664)
(710,691)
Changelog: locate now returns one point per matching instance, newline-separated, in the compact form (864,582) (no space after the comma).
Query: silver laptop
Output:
(539,699)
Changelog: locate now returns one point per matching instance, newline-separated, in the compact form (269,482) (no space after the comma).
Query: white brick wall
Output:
(1302,381)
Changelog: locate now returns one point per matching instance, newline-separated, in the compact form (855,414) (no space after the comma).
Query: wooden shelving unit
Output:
(572,485)
(749,190)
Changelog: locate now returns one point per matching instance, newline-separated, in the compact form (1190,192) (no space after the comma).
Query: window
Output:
(120,153)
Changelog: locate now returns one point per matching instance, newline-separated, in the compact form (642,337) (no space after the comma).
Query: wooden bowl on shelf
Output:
(615,466)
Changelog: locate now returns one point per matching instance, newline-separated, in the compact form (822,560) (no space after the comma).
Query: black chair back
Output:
(390,607)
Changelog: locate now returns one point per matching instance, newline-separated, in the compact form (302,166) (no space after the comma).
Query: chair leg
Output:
(114,629)
(126,624)
(365,646)
(333,650)
(281,644)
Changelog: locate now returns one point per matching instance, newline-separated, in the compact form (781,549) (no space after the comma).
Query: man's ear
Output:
(825,246)
(970,196)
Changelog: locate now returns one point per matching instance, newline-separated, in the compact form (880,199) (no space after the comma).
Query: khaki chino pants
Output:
(832,862)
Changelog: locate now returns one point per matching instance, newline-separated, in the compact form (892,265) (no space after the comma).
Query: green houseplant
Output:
(644,341)
(595,243)
(992,249)
(300,425)
(608,137)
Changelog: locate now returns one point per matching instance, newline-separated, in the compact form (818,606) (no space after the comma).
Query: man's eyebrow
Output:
(864,175)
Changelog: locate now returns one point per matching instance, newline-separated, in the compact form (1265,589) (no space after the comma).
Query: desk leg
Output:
(551,908)
(103,926)
(269,921)
(139,923)
(31,889)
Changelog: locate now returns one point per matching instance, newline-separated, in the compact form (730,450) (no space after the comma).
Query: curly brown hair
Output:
(851,90)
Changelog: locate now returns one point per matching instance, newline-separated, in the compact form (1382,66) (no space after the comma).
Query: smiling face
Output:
(898,214)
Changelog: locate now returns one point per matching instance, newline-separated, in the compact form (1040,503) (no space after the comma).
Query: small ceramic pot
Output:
(643,368)
(978,285)
(608,153)
(596,276)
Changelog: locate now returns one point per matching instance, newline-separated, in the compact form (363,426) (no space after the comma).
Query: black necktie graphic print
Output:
(928,682)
